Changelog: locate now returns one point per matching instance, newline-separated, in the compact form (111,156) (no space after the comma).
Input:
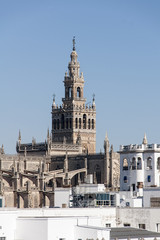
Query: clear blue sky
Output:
(118,45)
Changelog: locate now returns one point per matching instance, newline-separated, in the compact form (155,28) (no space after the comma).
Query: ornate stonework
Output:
(74,119)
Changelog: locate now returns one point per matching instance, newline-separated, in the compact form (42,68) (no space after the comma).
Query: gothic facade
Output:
(67,156)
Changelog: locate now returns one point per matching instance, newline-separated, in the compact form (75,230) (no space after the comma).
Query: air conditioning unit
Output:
(127,204)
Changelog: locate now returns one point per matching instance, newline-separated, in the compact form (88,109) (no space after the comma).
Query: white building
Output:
(86,195)
(56,224)
(151,197)
(127,199)
(139,166)
(81,223)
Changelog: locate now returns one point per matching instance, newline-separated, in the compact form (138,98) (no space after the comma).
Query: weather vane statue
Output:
(93,97)
(54,96)
(74,42)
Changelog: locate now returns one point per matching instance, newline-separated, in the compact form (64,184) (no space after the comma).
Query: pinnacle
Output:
(106,137)
(145,139)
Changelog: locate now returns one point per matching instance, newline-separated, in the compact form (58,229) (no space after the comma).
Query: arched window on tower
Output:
(79,123)
(62,121)
(133,163)
(139,163)
(57,123)
(84,121)
(66,123)
(125,164)
(78,92)
(125,179)
(149,162)
(69,92)
(54,124)
(76,122)
(70,122)
(92,123)
(89,123)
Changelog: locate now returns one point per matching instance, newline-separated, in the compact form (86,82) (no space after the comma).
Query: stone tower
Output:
(74,122)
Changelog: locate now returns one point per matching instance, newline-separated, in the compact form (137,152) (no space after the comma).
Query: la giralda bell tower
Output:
(74,122)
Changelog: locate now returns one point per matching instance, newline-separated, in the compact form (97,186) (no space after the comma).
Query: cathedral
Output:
(68,155)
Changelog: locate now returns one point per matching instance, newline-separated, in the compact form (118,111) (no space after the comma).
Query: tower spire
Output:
(145,140)
(47,133)
(54,104)
(74,42)
(19,136)
(106,137)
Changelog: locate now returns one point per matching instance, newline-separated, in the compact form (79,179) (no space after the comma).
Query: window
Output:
(76,123)
(0,206)
(54,124)
(78,92)
(92,123)
(89,123)
(84,121)
(62,121)
(67,123)
(113,200)
(79,123)
(108,225)
(133,163)
(133,187)
(149,163)
(70,122)
(158,163)
(57,123)
(142,226)
(125,179)
(126,224)
(125,164)
(149,178)
(69,92)
(139,163)
(103,199)
(158,227)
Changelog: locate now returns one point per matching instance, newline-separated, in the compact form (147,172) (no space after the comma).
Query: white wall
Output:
(148,193)
(56,228)
(106,215)
(28,223)
(28,229)
(62,196)
(135,216)
(7,224)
